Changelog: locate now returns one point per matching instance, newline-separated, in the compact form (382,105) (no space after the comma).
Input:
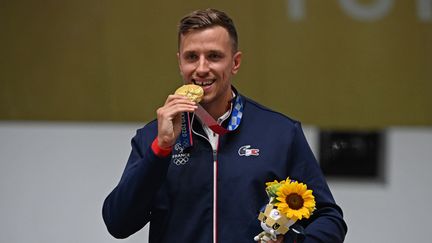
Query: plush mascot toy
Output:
(273,223)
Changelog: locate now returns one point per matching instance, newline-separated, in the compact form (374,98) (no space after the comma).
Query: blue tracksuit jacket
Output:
(197,194)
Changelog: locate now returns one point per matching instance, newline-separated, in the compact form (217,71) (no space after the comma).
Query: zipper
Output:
(215,176)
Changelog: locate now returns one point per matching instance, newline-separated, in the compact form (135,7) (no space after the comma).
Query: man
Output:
(212,190)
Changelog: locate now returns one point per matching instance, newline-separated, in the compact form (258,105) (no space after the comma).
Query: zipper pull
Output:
(215,155)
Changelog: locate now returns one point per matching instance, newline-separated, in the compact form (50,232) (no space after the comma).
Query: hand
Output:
(169,118)
(279,239)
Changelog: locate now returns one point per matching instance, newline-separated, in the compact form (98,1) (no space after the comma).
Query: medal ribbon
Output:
(185,134)
(204,116)
(237,113)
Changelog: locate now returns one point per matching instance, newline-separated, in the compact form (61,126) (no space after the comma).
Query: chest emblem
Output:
(245,150)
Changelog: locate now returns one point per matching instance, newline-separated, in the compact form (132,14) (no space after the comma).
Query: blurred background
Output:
(77,78)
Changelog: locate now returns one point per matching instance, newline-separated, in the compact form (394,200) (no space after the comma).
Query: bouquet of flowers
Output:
(289,201)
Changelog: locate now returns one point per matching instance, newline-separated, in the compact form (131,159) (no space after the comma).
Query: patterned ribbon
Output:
(185,134)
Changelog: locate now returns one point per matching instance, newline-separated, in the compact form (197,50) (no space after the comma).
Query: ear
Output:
(179,64)
(178,58)
(236,62)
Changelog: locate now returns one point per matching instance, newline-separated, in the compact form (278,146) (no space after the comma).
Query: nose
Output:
(202,66)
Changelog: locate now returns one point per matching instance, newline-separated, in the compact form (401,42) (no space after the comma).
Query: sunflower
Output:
(272,188)
(294,200)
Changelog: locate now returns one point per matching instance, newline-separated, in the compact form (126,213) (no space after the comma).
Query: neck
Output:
(217,111)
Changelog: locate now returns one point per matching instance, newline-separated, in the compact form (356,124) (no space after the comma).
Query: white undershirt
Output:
(212,136)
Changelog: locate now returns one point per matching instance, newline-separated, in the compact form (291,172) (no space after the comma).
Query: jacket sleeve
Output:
(326,223)
(127,208)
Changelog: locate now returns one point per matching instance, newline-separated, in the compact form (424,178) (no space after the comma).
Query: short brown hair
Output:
(202,19)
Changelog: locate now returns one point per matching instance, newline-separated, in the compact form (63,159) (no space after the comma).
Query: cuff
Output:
(158,151)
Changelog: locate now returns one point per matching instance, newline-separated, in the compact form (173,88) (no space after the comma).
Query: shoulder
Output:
(149,130)
(253,109)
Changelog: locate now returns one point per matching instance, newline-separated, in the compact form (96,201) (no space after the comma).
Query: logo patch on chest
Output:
(245,150)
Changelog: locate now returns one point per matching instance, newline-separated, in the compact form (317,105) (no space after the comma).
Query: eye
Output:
(276,226)
(190,57)
(264,219)
(274,213)
(214,56)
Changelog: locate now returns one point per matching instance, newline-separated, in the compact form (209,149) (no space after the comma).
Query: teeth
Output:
(202,83)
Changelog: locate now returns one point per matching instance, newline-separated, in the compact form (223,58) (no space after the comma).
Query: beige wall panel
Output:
(115,60)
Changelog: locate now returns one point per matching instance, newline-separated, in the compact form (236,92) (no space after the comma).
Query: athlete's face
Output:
(206,59)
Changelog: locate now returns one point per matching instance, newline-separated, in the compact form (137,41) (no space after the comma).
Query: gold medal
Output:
(191,91)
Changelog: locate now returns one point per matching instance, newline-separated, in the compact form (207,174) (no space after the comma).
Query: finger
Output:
(179,103)
(279,239)
(179,106)
(171,111)
(178,98)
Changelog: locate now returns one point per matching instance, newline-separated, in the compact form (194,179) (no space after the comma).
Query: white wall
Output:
(55,176)
(399,210)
